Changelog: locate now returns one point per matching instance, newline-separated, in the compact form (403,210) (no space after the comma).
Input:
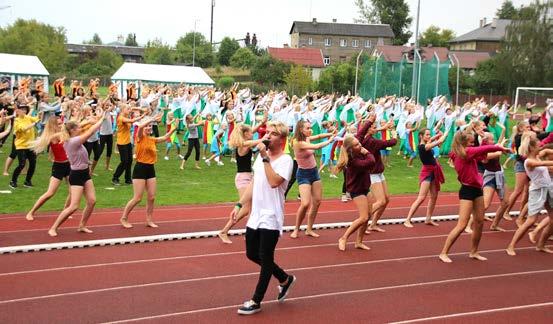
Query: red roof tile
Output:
(311,57)
(469,60)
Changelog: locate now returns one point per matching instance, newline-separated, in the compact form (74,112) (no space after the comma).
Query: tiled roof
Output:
(486,33)
(311,57)
(361,30)
(393,53)
(469,60)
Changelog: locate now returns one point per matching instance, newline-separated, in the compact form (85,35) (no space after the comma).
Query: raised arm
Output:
(93,129)
(167,135)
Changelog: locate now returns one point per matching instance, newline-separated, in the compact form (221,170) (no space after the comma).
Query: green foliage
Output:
(30,37)
(185,50)
(227,48)
(225,82)
(392,12)
(104,64)
(488,77)
(436,37)
(367,13)
(337,78)
(298,80)
(507,10)
(96,40)
(156,52)
(243,58)
(131,40)
(267,70)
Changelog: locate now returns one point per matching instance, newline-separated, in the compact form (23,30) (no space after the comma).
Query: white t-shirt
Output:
(268,203)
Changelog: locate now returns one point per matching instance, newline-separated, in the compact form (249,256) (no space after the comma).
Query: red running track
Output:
(203,280)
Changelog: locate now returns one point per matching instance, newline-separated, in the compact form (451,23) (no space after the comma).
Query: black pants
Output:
(125,153)
(106,141)
(13,153)
(155,130)
(292,179)
(195,144)
(22,156)
(93,147)
(260,248)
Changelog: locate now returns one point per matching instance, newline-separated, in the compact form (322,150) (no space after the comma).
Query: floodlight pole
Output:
(194,45)
(437,73)
(457,82)
(357,71)
(414,86)
(211,33)
(376,74)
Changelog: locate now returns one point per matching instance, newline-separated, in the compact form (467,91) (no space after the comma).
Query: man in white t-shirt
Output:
(272,170)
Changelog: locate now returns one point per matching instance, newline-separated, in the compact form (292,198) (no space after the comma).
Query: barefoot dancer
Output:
(144,173)
(431,175)
(465,156)
(79,176)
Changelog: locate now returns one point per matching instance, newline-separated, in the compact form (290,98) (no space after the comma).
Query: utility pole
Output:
(194,44)
(414,82)
(211,34)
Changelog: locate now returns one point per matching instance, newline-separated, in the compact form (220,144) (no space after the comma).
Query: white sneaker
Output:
(348,196)
(207,162)
(344,198)
(333,176)
(181,156)
(220,163)
(232,160)
(166,158)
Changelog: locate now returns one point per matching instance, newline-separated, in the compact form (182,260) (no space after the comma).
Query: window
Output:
(355,43)
(310,41)
(326,60)
(343,43)
(328,42)
(368,43)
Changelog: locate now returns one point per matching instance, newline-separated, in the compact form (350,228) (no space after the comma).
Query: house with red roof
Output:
(311,58)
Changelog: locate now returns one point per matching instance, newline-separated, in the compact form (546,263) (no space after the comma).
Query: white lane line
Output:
(348,292)
(480,312)
(239,275)
(221,254)
(213,206)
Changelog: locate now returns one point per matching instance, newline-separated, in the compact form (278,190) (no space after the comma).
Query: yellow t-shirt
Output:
(23,138)
(146,150)
(123,132)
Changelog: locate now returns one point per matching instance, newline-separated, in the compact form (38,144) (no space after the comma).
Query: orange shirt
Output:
(146,150)
(123,132)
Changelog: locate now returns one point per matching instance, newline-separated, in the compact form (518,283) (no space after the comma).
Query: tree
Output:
(436,37)
(185,50)
(507,10)
(96,40)
(131,40)
(267,70)
(104,64)
(337,78)
(392,12)
(298,80)
(243,58)
(227,48)
(30,37)
(156,52)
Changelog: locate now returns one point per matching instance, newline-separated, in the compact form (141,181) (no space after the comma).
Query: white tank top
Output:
(539,177)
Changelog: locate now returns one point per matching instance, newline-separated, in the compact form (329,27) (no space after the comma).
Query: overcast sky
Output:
(270,20)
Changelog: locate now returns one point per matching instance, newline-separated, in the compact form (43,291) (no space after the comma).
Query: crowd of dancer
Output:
(261,132)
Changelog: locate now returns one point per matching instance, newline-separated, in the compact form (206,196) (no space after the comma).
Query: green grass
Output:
(175,187)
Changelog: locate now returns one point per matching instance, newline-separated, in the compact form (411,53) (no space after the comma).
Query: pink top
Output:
(76,152)
(305,159)
(467,170)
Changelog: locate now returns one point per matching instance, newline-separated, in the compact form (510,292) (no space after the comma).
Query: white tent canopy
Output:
(16,67)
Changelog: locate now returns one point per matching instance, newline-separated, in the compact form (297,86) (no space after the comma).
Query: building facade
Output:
(486,38)
(339,42)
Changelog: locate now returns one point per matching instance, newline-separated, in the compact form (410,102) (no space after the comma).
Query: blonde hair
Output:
(298,135)
(237,137)
(50,131)
(345,153)
(279,126)
(67,128)
(527,141)
(460,141)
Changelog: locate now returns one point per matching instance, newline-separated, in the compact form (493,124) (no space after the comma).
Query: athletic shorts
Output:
(537,199)
(470,193)
(242,179)
(143,171)
(61,170)
(307,176)
(519,167)
(377,177)
(357,194)
(79,177)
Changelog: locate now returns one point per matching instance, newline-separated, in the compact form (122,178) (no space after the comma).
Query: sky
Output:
(270,20)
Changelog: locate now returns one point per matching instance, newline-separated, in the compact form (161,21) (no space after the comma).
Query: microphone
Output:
(266,142)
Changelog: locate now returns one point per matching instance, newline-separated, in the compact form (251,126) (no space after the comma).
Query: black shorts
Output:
(143,171)
(60,170)
(357,194)
(79,177)
(470,193)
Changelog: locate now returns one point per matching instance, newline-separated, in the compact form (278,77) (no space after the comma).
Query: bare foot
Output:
(468,230)
(294,234)
(507,217)
(224,237)
(488,219)
(311,233)
(83,229)
(29,217)
(511,251)
(125,223)
(532,237)
(52,232)
(342,244)
(197,167)
(376,229)
(362,246)
(444,258)
(182,168)
(5,174)
(151,224)
(477,256)
(544,249)
(408,224)
(497,229)
(431,223)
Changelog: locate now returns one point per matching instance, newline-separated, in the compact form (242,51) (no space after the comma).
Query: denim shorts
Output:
(430,178)
(307,176)
(519,167)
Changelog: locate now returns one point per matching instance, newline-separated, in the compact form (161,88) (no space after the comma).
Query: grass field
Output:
(190,186)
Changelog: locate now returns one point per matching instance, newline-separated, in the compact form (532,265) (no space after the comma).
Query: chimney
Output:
(334,20)
(285,45)
(482,22)
(314,21)
(494,23)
